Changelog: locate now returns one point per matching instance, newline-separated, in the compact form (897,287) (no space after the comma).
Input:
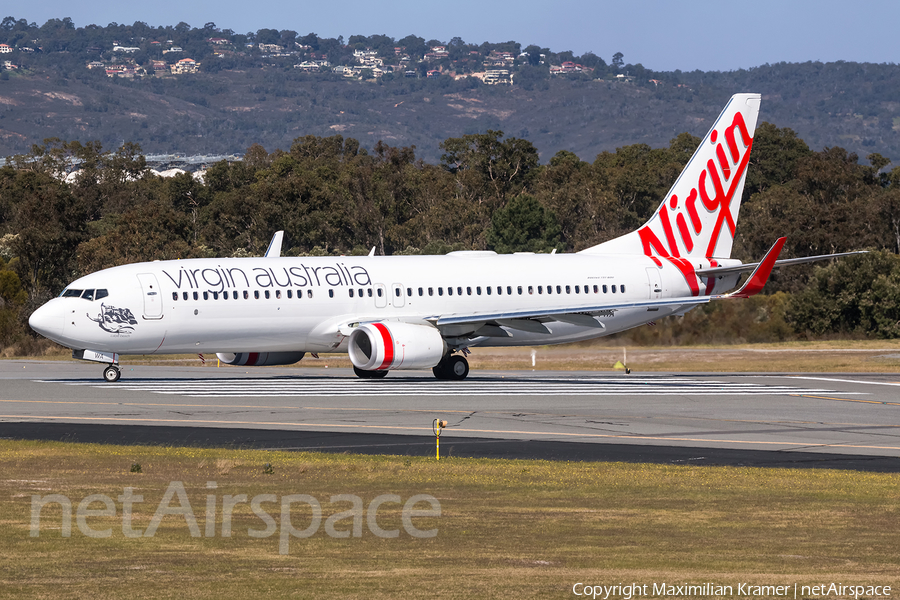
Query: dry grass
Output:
(853,356)
(527,529)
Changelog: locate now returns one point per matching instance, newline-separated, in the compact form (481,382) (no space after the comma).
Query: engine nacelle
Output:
(390,345)
(260,359)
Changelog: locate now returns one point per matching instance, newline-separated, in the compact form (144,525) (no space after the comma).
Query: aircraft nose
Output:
(48,320)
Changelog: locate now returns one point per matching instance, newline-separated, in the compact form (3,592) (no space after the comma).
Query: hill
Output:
(849,105)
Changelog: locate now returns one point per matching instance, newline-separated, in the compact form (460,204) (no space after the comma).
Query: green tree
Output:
(859,295)
(523,225)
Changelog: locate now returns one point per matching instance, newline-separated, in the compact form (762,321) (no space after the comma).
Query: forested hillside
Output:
(332,196)
(272,86)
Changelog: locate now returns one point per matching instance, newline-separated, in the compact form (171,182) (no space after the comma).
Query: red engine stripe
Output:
(388,345)
(252,358)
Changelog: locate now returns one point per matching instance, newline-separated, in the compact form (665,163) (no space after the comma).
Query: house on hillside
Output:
(497,77)
(5,49)
(185,65)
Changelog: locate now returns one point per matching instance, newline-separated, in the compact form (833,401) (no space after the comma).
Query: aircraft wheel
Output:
(453,367)
(363,374)
(111,374)
(457,367)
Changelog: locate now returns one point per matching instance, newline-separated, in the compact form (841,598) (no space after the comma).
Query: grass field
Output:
(856,356)
(511,529)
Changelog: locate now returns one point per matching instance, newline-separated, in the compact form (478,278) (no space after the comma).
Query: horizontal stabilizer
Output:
(785,262)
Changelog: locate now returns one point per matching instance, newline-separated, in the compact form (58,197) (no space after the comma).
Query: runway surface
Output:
(844,421)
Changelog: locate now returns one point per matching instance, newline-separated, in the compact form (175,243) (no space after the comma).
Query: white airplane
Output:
(416,312)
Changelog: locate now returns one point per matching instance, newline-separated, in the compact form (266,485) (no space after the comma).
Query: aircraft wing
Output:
(785,262)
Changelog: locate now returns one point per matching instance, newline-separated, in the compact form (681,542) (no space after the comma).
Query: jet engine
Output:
(260,359)
(391,345)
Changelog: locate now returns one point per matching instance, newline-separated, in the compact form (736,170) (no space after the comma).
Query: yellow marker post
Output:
(436,427)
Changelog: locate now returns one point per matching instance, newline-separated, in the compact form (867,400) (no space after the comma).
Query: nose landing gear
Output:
(111,373)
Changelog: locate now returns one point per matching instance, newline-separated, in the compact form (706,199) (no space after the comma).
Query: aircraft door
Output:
(398,299)
(655,283)
(380,295)
(153,302)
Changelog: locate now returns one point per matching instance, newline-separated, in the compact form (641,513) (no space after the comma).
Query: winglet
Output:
(274,249)
(760,274)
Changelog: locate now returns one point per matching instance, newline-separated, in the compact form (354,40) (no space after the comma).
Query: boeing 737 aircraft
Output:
(416,312)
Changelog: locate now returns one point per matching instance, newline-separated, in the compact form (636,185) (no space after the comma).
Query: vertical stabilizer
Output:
(698,216)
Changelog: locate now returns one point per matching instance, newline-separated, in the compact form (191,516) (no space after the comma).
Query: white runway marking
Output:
(262,388)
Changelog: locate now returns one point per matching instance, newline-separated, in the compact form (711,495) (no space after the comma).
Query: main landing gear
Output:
(453,367)
(111,373)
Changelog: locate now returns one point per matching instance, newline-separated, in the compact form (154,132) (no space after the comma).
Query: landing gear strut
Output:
(453,367)
(111,373)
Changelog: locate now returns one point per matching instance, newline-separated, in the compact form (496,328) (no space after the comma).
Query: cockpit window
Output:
(68,293)
(101,294)
(88,294)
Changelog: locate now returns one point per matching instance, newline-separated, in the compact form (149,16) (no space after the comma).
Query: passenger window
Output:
(613,289)
(246,295)
(440,291)
(278,294)
(360,292)
(256,294)
(421,292)
(449,291)
(576,289)
(206,295)
(568,290)
(351,292)
(478,290)
(174,295)
(309,293)
(267,294)
(331,293)
(530,289)
(185,295)
(431,291)
(596,289)
(558,289)
(291,294)
(488,290)
(397,292)
(104,294)
(88,294)
(499,290)
(380,292)
(409,292)
(622,288)
(225,295)
(509,290)
(549,289)
(604,289)
(468,291)
(195,296)
(215,295)
(519,288)
(540,289)
(459,291)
